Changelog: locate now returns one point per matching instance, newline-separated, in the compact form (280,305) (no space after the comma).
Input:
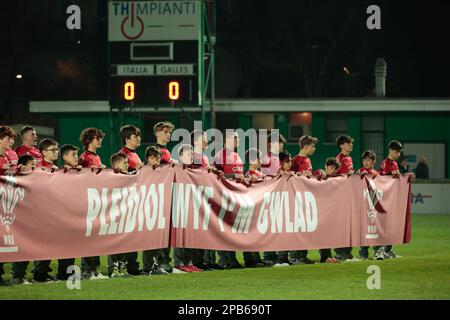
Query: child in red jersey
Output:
(131,139)
(91,139)
(301,164)
(285,162)
(202,259)
(345,143)
(270,163)
(69,155)
(7,136)
(117,262)
(331,169)
(389,166)
(49,150)
(183,257)
(29,142)
(27,162)
(149,257)
(229,162)
(252,157)
(163,131)
(200,142)
(368,158)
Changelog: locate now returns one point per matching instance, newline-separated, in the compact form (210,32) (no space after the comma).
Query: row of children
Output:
(226,162)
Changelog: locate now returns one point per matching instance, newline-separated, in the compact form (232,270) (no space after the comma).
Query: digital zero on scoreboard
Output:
(154,53)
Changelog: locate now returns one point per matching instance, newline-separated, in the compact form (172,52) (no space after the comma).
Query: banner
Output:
(61,215)
(48,215)
(288,212)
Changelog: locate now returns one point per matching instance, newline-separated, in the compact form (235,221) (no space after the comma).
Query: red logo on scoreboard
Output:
(133,26)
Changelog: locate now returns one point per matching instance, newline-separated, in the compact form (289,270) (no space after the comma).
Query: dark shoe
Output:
(235,266)
(204,267)
(364,256)
(302,261)
(44,278)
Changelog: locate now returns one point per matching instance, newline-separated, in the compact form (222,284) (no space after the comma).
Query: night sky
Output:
(265,49)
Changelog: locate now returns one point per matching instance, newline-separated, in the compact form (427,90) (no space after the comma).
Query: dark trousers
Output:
(149,258)
(252,258)
(2,272)
(90,264)
(325,254)
(41,269)
(132,263)
(198,257)
(344,252)
(299,254)
(209,256)
(63,264)
(163,256)
(19,269)
(270,256)
(227,258)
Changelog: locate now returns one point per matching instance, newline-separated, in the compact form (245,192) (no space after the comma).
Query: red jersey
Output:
(47,165)
(270,164)
(200,160)
(229,162)
(346,163)
(370,171)
(4,161)
(12,157)
(90,159)
(300,163)
(133,158)
(256,173)
(26,150)
(387,166)
(166,157)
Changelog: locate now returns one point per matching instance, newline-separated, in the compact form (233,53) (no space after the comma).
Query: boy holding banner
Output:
(345,143)
(7,136)
(183,257)
(91,140)
(368,158)
(331,168)
(162,131)
(301,164)
(229,162)
(131,139)
(252,157)
(389,167)
(49,150)
(69,155)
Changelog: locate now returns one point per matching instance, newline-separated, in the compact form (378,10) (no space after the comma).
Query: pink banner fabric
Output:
(48,215)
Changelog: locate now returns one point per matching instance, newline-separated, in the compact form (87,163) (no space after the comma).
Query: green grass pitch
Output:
(423,272)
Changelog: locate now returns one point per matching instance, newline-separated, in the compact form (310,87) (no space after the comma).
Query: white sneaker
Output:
(353,260)
(281,264)
(176,270)
(98,276)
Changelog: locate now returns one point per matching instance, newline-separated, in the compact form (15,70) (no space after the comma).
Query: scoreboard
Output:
(155,53)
